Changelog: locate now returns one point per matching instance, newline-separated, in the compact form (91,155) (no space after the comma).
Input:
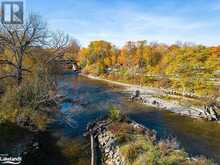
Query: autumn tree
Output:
(98,55)
(115,55)
(188,68)
(18,39)
(140,61)
(128,52)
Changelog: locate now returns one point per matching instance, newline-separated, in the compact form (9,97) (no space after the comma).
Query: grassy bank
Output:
(138,145)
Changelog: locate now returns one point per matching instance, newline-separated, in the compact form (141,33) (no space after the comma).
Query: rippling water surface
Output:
(92,99)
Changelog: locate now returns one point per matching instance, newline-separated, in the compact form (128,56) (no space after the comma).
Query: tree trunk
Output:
(19,68)
(19,78)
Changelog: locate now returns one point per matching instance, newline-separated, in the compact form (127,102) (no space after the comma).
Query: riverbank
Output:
(124,141)
(197,137)
(158,98)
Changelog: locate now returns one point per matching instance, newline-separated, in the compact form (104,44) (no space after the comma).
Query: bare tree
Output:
(73,49)
(19,39)
(58,42)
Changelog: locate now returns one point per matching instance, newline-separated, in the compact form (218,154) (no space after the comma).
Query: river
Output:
(197,137)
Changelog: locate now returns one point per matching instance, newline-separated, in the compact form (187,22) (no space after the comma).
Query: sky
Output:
(118,21)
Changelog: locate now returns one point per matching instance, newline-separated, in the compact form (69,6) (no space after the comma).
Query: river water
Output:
(93,98)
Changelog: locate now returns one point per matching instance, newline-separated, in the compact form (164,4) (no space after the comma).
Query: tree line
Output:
(184,67)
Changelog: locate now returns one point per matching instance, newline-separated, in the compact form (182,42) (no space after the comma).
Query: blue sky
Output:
(118,21)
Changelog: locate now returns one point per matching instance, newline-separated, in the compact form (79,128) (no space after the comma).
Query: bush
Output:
(19,115)
(27,95)
(140,148)
(114,113)
(19,105)
(8,113)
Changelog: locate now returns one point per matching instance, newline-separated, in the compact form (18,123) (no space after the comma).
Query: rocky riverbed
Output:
(146,97)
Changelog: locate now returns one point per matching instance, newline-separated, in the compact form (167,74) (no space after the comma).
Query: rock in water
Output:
(136,94)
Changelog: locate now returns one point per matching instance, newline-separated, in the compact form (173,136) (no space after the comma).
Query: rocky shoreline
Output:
(106,142)
(207,112)
(110,147)
(148,96)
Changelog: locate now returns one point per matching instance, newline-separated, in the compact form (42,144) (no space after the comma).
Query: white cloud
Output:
(128,23)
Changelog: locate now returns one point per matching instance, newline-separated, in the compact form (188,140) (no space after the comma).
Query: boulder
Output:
(135,95)
(210,112)
(109,148)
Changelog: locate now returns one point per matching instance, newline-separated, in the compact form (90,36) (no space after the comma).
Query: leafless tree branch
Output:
(19,38)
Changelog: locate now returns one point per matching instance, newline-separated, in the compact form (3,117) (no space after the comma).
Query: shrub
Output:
(18,105)
(27,95)
(114,113)
(8,113)
(141,150)
(11,114)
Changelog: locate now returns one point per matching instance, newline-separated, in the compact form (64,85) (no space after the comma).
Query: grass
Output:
(114,113)
(140,147)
